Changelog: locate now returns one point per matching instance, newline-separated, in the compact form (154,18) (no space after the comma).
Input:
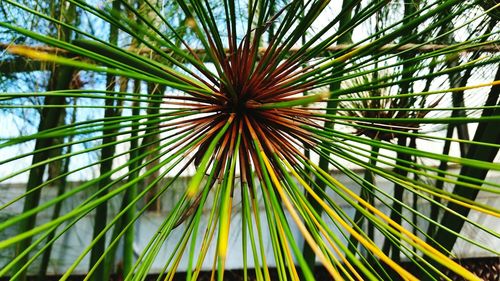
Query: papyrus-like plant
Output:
(246,99)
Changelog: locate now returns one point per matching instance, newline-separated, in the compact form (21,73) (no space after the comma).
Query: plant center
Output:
(238,106)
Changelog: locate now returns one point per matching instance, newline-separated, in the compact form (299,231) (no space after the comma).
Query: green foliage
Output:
(266,110)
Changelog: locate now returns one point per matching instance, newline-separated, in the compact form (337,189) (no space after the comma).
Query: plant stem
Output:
(367,194)
(405,88)
(457,99)
(129,196)
(50,118)
(320,186)
(485,132)
(62,184)
(107,152)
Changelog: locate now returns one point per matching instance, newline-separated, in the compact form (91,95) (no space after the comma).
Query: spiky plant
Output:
(242,97)
(381,104)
